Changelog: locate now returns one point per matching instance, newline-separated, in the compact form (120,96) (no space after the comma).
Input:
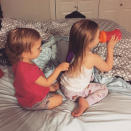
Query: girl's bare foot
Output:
(82,106)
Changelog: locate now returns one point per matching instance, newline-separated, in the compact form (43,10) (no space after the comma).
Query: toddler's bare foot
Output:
(82,106)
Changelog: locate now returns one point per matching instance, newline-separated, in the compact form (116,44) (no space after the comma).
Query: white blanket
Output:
(111,114)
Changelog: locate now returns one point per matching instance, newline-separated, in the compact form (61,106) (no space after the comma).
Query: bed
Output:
(111,114)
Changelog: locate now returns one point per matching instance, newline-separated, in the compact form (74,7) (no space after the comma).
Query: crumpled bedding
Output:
(122,55)
(112,113)
(60,30)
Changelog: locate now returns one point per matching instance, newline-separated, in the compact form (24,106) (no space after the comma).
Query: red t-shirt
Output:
(27,91)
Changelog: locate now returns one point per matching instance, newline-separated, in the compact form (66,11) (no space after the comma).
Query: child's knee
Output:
(55,101)
(58,100)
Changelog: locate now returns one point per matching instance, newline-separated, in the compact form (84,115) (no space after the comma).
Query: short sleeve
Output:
(30,73)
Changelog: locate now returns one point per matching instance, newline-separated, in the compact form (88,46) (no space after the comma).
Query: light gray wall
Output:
(26,9)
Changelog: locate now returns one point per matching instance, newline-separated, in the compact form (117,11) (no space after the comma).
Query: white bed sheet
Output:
(111,114)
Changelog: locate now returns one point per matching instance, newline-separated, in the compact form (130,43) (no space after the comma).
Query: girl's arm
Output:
(47,82)
(106,65)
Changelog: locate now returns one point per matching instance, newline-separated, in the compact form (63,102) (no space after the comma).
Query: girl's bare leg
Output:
(82,106)
(54,101)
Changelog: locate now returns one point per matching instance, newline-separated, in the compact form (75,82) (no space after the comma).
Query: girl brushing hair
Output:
(32,89)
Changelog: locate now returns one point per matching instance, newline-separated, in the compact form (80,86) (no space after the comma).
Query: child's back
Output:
(77,83)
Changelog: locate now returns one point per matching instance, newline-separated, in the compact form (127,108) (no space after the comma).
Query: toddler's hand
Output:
(63,66)
(112,42)
(54,87)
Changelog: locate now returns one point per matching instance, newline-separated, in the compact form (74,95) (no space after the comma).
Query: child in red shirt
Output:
(32,88)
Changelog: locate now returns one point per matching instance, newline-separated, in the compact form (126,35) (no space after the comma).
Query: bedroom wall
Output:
(27,9)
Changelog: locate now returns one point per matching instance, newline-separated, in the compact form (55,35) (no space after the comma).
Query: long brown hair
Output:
(20,40)
(81,34)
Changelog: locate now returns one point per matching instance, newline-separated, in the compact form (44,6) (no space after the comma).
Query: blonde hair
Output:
(20,40)
(82,33)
